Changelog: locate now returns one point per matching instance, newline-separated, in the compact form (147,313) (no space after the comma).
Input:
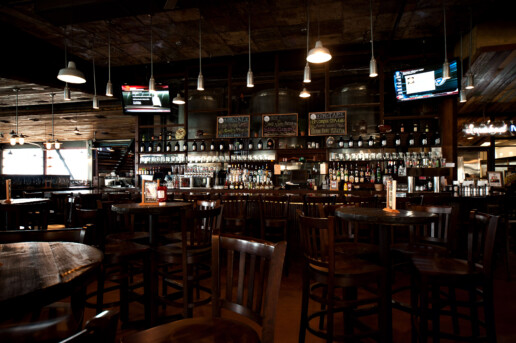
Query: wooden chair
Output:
(99,329)
(250,289)
(234,218)
(311,203)
(474,276)
(274,217)
(183,265)
(60,209)
(57,320)
(324,272)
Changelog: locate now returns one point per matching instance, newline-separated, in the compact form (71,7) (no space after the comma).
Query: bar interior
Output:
(359,156)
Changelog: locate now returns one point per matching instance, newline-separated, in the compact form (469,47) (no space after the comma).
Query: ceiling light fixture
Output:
(15,137)
(470,80)
(304,93)
(200,78)
(67,93)
(70,73)
(446,65)
(178,100)
(462,93)
(373,69)
(109,85)
(95,98)
(55,143)
(319,54)
(250,78)
(307,77)
(152,82)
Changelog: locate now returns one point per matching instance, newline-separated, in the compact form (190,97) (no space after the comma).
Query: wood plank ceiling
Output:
(277,25)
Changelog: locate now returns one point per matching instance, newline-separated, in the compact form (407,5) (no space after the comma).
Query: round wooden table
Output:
(384,222)
(35,274)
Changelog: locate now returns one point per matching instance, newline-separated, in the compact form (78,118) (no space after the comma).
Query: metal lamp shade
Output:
(250,78)
(200,82)
(462,96)
(95,102)
(470,81)
(373,69)
(71,74)
(178,100)
(152,84)
(57,144)
(304,93)
(307,77)
(67,94)
(446,70)
(109,88)
(318,54)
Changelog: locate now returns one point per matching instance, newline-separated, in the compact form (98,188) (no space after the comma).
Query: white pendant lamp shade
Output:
(152,84)
(319,54)
(48,145)
(462,96)
(200,82)
(109,88)
(21,139)
(67,94)
(71,74)
(304,93)
(470,82)
(57,144)
(307,77)
(178,100)
(95,102)
(14,137)
(250,78)
(373,69)
(446,70)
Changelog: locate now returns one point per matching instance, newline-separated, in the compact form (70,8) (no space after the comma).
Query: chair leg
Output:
(414,306)
(436,308)
(423,312)
(453,308)
(473,312)
(304,306)
(383,309)
(489,314)
(124,294)
(100,290)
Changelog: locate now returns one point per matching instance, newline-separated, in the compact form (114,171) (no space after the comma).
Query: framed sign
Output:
(495,178)
(279,125)
(327,123)
(149,192)
(233,126)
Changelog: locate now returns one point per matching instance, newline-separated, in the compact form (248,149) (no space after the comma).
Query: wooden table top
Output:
(23,201)
(379,216)
(34,274)
(148,208)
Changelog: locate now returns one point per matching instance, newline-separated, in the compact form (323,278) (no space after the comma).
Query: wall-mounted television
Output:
(138,99)
(425,82)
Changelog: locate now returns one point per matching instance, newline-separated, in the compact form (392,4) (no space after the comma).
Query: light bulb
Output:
(21,140)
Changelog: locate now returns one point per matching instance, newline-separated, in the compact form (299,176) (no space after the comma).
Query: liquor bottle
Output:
(185,146)
(437,139)
(142,145)
(411,141)
(339,176)
(240,144)
(351,143)
(250,145)
(176,146)
(426,128)
(203,146)
(351,178)
(362,175)
(378,173)
(160,137)
(415,127)
(158,147)
(212,146)
(150,147)
(168,147)
(330,172)
(357,174)
(383,140)
(221,146)
(402,128)
(346,173)
(231,146)
(260,145)
(370,141)
(360,142)
(341,142)
(397,139)
(424,139)
(367,174)
(270,143)
(194,146)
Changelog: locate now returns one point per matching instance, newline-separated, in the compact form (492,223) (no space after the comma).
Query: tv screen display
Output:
(426,82)
(138,99)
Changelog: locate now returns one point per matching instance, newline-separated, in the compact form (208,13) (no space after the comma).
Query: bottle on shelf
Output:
(260,145)
(176,146)
(270,143)
(142,144)
(221,146)
(160,137)
(158,147)
(150,147)
(424,139)
(370,142)
(341,142)
(250,144)
(427,130)
(378,177)
(383,140)
(185,146)
(397,139)
(351,143)
(402,128)
(240,144)
(437,139)
(411,141)
(360,142)
(168,147)
(415,127)
(203,146)
(212,146)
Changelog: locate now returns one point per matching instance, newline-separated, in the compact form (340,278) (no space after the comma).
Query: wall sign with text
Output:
(327,123)
(279,125)
(233,126)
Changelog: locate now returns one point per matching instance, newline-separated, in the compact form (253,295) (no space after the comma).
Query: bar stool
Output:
(324,272)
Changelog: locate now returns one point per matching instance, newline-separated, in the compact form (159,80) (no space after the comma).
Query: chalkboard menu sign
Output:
(279,125)
(233,126)
(327,123)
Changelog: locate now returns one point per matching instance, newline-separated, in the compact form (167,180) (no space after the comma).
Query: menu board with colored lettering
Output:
(327,123)
(233,126)
(279,125)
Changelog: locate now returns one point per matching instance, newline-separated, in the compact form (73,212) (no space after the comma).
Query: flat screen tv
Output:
(425,82)
(138,99)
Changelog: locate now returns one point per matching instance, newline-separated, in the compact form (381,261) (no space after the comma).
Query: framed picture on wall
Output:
(495,178)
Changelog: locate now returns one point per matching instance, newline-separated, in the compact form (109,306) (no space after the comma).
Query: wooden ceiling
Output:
(85,26)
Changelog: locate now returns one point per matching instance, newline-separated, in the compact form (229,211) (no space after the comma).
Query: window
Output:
(76,161)
(22,161)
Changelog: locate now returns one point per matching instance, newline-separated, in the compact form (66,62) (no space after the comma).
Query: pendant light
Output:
(470,81)
(319,54)
(304,93)
(15,137)
(178,100)
(95,99)
(250,78)
(462,93)
(70,73)
(446,65)
(55,143)
(67,93)
(307,77)
(109,85)
(152,82)
(200,78)
(373,69)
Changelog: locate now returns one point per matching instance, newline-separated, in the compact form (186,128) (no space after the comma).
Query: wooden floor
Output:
(287,322)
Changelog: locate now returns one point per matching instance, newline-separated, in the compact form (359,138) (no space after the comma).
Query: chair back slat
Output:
(317,240)
(436,232)
(257,266)
(363,201)
(481,241)
(198,226)
(311,207)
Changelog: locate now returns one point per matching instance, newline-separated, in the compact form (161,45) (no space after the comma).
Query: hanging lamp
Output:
(152,82)
(55,143)
(109,85)
(319,54)
(178,100)
(250,77)
(373,69)
(446,64)
(307,74)
(95,98)
(304,93)
(470,80)
(200,78)
(16,137)
(462,93)
(70,73)
(67,94)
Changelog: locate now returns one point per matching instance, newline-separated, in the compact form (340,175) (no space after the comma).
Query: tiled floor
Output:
(287,321)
